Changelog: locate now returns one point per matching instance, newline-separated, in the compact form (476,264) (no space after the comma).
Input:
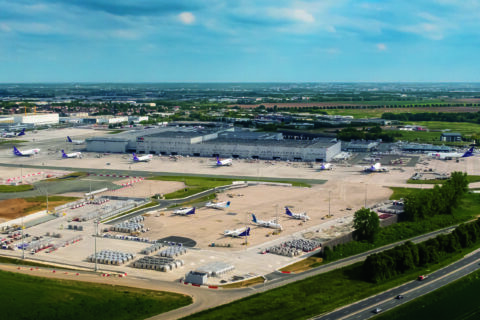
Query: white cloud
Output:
(186,17)
(302,15)
(299,15)
(4,27)
(381,46)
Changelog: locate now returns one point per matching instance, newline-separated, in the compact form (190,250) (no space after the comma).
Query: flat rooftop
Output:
(283,143)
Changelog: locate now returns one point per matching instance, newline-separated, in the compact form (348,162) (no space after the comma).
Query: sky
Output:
(239,41)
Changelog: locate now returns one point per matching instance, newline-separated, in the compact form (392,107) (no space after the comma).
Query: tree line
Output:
(473,117)
(439,200)
(409,256)
(373,133)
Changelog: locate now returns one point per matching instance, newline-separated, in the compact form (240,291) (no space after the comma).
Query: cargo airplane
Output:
(144,158)
(326,166)
(377,167)
(184,211)
(13,134)
(242,232)
(224,162)
(451,155)
(75,141)
(267,224)
(300,216)
(218,205)
(26,153)
(71,155)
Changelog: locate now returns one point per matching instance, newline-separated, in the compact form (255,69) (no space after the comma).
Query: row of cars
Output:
(400,297)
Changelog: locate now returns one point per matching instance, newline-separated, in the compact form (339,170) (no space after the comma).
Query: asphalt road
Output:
(411,290)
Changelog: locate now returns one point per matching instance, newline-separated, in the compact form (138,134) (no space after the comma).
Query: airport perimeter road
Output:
(414,289)
(277,279)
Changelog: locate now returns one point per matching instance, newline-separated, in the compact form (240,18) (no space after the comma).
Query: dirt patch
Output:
(15,208)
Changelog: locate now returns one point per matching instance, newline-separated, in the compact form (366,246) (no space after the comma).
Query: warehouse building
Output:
(225,143)
(37,119)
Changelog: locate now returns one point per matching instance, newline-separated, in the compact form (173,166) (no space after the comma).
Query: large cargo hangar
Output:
(226,143)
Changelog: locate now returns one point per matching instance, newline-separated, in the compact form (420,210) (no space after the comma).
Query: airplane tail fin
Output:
(16,151)
(469,153)
(135,158)
(245,233)
(228,204)
(69,139)
(254,219)
(64,155)
(218,161)
(288,212)
(193,211)
(21,133)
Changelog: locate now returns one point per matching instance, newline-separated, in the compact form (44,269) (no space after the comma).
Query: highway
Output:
(411,290)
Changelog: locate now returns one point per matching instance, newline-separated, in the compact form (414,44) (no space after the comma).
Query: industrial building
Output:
(361,146)
(450,137)
(226,143)
(37,119)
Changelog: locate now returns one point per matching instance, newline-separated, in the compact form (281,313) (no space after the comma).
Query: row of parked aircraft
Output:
(186,211)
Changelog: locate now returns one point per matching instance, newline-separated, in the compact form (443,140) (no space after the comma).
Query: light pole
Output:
(96,234)
(23,241)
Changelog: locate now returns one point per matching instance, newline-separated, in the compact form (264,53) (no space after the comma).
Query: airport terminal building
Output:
(225,143)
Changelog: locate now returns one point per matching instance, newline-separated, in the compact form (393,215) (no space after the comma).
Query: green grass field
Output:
(28,297)
(461,127)
(194,185)
(19,188)
(458,300)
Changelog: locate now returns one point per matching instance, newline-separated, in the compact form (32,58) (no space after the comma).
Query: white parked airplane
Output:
(242,232)
(326,166)
(451,155)
(13,134)
(218,205)
(75,141)
(144,158)
(26,153)
(224,162)
(377,167)
(267,224)
(184,211)
(71,155)
(300,216)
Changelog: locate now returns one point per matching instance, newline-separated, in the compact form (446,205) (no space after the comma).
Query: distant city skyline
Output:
(239,41)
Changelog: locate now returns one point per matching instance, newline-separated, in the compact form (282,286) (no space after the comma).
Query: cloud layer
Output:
(221,40)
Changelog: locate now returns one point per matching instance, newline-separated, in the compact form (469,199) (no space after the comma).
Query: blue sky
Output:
(239,40)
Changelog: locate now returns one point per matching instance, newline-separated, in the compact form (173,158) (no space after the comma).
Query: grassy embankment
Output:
(19,188)
(8,142)
(24,297)
(458,300)
(147,205)
(194,185)
(470,178)
(314,295)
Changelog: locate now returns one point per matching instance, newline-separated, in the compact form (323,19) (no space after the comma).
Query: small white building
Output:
(37,119)
(112,120)
(137,119)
